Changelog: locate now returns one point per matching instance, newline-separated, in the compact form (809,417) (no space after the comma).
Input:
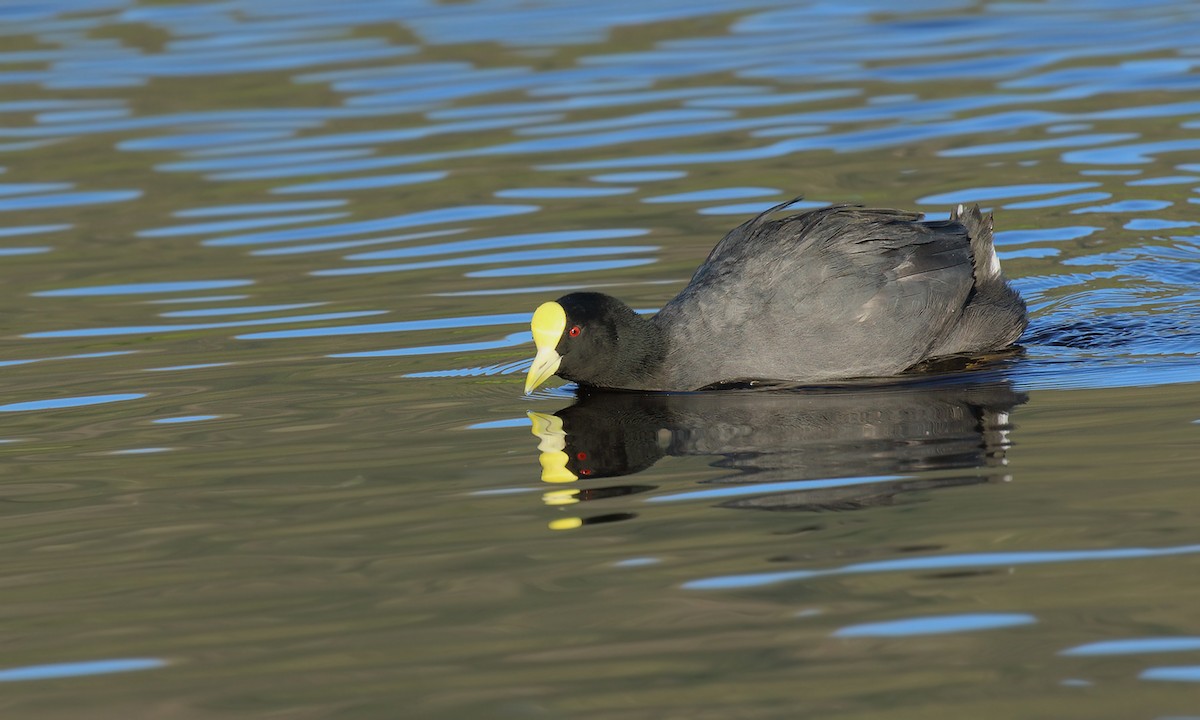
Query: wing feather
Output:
(863,291)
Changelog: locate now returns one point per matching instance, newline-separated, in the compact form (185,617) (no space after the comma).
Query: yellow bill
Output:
(549,322)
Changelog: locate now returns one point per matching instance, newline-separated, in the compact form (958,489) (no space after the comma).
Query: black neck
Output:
(643,349)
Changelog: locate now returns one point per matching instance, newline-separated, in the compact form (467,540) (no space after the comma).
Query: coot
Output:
(831,294)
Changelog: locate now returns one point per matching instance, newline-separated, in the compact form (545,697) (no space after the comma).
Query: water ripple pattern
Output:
(270,268)
(437,119)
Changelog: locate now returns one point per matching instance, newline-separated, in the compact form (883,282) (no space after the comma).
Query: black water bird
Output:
(831,294)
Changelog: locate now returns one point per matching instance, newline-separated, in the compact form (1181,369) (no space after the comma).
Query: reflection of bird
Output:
(835,293)
(778,436)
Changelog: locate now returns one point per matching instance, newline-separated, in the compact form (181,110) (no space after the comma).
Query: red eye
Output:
(585,471)
(574,332)
(581,456)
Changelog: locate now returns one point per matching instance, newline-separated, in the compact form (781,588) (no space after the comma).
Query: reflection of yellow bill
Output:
(566,523)
(549,429)
(561,497)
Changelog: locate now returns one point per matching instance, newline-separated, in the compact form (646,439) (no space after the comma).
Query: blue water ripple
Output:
(143,288)
(636,562)
(197,299)
(1129,154)
(520,422)
(937,625)
(425,217)
(1166,180)
(555,288)
(33,202)
(637,119)
(561,268)
(244,310)
(941,562)
(1058,201)
(362,183)
(184,419)
(1001,192)
(507,257)
(502,241)
(1059,234)
(259,208)
(189,141)
(1126,206)
(28,188)
(292,170)
(1156,224)
(195,366)
(1135,646)
(79,669)
(33,229)
(511,340)
(771,487)
(1030,253)
(1185,673)
(613,100)
(758,207)
(549,193)
(374,138)
(1021,146)
(772,99)
(400,326)
(263,162)
(347,244)
(141,451)
(221,226)
(156,329)
(416,74)
(81,356)
(584,87)
(561,392)
(69,402)
(637,177)
(727,193)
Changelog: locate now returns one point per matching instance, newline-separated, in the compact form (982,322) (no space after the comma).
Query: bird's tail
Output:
(979,228)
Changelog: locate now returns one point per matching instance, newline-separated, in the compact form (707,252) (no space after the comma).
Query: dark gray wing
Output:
(791,235)
(836,292)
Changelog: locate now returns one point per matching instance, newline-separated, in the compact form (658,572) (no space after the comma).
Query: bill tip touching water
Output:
(830,294)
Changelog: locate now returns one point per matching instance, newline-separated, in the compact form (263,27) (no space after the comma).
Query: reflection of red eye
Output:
(585,471)
(574,332)
(581,456)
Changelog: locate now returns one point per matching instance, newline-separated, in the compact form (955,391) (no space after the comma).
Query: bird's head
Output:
(590,338)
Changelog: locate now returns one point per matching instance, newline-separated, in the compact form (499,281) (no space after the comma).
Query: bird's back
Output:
(838,292)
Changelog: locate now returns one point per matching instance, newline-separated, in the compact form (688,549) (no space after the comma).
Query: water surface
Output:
(270,270)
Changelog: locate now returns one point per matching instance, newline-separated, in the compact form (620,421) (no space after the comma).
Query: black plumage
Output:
(836,293)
